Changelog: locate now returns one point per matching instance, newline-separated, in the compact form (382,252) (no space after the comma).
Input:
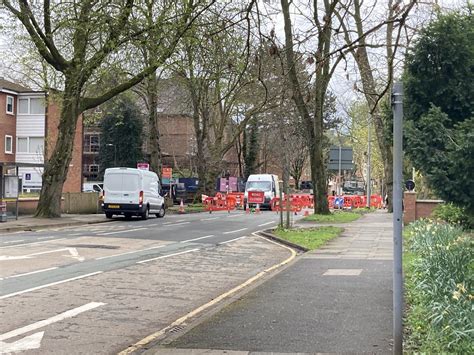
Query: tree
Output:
(81,40)
(122,134)
(439,82)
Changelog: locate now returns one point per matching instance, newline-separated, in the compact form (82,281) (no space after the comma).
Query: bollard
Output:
(3,211)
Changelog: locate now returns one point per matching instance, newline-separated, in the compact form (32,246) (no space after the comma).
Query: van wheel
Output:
(145,214)
(161,213)
(108,215)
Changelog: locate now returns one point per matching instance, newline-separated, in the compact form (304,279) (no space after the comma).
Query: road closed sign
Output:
(256,197)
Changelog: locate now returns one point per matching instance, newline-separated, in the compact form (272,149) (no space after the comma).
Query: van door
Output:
(122,187)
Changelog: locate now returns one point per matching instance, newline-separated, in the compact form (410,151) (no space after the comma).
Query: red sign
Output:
(256,197)
(143,166)
(167,173)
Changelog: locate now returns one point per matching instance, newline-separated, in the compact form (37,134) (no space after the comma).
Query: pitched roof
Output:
(8,85)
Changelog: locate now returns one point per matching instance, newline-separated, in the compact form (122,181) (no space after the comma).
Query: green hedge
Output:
(439,278)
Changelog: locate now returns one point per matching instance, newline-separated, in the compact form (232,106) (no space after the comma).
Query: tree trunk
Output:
(154,134)
(56,167)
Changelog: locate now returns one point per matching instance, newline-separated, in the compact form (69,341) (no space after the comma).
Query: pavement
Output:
(337,299)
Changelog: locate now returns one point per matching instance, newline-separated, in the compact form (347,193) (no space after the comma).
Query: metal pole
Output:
(281,204)
(339,173)
(397,107)
(368,166)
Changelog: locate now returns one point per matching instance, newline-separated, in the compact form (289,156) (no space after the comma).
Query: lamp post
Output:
(368,165)
(115,152)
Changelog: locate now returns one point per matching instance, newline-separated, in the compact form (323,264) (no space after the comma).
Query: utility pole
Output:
(368,164)
(397,107)
(339,173)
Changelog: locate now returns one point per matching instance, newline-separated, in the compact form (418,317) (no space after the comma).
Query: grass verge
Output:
(334,217)
(310,238)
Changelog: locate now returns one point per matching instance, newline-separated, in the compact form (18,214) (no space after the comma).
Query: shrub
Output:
(439,286)
(453,214)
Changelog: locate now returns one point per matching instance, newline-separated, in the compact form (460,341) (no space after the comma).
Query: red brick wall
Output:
(7,127)
(414,209)
(73,181)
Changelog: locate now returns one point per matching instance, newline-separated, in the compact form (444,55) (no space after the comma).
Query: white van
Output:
(267,183)
(132,192)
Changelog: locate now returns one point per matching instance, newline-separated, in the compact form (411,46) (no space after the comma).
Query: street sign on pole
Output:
(340,158)
(166,173)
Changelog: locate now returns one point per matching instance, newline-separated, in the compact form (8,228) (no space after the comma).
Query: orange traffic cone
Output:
(181,207)
(257,210)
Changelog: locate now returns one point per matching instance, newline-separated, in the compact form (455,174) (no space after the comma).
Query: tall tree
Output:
(439,87)
(122,134)
(81,40)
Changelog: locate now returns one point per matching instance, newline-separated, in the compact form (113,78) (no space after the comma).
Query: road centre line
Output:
(48,285)
(41,238)
(20,245)
(209,219)
(180,220)
(59,317)
(14,241)
(234,215)
(29,273)
(264,224)
(130,252)
(192,240)
(238,230)
(233,240)
(124,231)
(176,224)
(74,234)
(167,256)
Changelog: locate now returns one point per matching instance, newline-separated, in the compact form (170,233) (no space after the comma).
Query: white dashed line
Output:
(238,230)
(265,224)
(125,231)
(181,220)
(167,256)
(192,240)
(209,219)
(130,252)
(233,240)
(47,285)
(14,241)
(41,238)
(176,224)
(29,273)
(21,245)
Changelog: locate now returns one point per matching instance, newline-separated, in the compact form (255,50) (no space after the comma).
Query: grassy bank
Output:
(310,238)
(334,217)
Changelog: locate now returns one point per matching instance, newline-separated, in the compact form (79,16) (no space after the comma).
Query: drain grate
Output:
(94,246)
(176,329)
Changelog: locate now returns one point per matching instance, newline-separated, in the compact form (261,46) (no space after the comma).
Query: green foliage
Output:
(122,134)
(439,82)
(453,215)
(335,217)
(439,280)
(310,238)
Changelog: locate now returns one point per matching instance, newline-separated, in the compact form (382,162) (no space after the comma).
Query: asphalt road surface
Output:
(101,288)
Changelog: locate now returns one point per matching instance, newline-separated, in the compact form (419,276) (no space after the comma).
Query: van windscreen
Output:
(258,186)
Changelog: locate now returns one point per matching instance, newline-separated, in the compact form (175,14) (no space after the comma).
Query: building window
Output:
(10,104)
(32,145)
(9,144)
(30,106)
(91,143)
(93,168)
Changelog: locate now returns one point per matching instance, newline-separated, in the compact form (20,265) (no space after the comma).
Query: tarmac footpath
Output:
(337,299)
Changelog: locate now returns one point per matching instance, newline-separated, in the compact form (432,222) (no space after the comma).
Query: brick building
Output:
(27,122)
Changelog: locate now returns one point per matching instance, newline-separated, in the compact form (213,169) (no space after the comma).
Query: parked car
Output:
(93,187)
(132,192)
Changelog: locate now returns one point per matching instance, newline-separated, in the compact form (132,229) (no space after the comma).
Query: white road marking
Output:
(27,343)
(167,256)
(28,273)
(180,220)
(14,241)
(234,215)
(192,240)
(152,225)
(265,224)
(61,316)
(125,231)
(72,253)
(209,219)
(74,234)
(238,230)
(41,238)
(20,245)
(130,252)
(176,224)
(233,240)
(48,285)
